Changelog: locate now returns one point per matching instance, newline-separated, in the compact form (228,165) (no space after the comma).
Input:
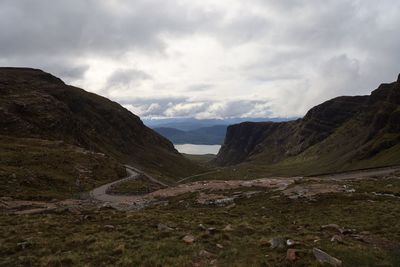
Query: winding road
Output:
(101,193)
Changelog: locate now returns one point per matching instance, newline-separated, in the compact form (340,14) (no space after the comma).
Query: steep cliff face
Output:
(351,129)
(36,104)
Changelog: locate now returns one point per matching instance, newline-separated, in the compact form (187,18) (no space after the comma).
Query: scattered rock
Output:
(345,231)
(291,254)
(337,228)
(215,200)
(120,249)
(228,228)
(365,233)
(278,242)
(23,245)
(220,246)
(224,202)
(205,254)
(189,239)
(290,243)
(74,210)
(337,239)
(164,228)
(264,242)
(211,230)
(109,227)
(245,228)
(231,206)
(35,211)
(106,206)
(331,226)
(360,238)
(87,217)
(324,257)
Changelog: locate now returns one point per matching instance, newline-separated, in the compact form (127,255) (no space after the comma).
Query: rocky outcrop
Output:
(352,128)
(284,139)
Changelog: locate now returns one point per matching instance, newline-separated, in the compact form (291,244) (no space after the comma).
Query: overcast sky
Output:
(208,58)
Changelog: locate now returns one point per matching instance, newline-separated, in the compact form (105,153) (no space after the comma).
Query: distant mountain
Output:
(213,135)
(188,124)
(341,134)
(36,105)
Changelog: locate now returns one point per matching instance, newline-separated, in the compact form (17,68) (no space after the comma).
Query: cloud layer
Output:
(208,59)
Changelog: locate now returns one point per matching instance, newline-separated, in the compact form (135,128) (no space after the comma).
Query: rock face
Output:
(361,131)
(35,104)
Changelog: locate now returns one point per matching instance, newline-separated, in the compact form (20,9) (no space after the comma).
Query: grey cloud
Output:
(124,77)
(306,50)
(199,87)
(66,68)
(90,26)
(69,72)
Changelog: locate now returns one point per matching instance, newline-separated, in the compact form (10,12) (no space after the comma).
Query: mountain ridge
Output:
(36,104)
(339,134)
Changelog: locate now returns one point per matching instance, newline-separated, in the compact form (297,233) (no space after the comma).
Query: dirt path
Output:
(280,184)
(361,173)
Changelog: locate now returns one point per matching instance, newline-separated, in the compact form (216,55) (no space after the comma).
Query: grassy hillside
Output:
(43,169)
(35,104)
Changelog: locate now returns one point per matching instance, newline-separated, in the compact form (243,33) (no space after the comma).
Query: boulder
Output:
(323,257)
(278,242)
(189,239)
(228,228)
(205,254)
(23,245)
(109,227)
(291,254)
(337,239)
(164,228)
(211,230)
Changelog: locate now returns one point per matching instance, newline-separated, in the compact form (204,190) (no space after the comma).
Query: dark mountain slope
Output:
(213,135)
(342,133)
(36,104)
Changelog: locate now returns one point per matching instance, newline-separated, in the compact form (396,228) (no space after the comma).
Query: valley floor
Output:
(266,222)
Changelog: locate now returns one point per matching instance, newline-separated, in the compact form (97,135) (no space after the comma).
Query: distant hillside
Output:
(213,135)
(340,134)
(36,105)
(188,124)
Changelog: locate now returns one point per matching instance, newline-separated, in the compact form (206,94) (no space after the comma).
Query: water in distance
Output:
(198,149)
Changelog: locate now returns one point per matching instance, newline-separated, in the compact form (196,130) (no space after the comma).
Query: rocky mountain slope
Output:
(37,105)
(342,133)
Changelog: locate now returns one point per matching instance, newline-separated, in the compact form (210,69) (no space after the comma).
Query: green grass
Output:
(200,158)
(42,169)
(71,240)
